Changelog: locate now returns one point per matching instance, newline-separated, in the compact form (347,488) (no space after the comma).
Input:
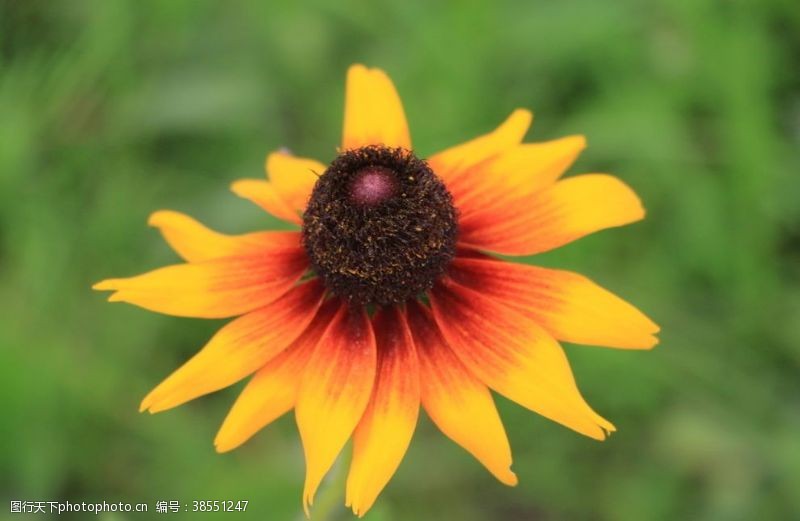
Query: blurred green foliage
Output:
(111,109)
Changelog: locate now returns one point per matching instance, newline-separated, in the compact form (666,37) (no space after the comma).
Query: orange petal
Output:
(381,439)
(216,288)
(335,389)
(520,171)
(265,195)
(568,305)
(456,161)
(239,349)
(373,112)
(273,389)
(293,178)
(567,211)
(195,242)
(457,402)
(514,356)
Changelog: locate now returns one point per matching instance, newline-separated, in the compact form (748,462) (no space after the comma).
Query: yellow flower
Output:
(387,298)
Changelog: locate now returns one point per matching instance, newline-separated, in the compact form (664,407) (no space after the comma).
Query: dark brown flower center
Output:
(380,227)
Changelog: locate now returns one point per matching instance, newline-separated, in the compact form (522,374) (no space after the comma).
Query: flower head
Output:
(388,296)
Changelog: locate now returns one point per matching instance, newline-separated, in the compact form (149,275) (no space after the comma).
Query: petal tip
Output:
(221,447)
(357,68)
(606,429)
(225,441)
(243,187)
(509,478)
(116,297)
(272,157)
(624,196)
(239,185)
(359,506)
(523,115)
(150,402)
(105,285)
(652,342)
(520,121)
(655,328)
(645,342)
(157,218)
(649,330)
(638,210)
(597,434)
(600,430)
(379,73)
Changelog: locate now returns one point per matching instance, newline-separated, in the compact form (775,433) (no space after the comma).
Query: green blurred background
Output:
(110,110)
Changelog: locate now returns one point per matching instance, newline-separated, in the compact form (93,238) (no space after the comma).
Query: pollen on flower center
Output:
(380,227)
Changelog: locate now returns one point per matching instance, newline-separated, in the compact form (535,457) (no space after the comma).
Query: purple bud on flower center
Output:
(373,185)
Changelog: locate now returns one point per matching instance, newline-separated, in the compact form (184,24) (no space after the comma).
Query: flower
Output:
(388,297)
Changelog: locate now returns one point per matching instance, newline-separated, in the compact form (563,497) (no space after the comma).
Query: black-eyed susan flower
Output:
(388,296)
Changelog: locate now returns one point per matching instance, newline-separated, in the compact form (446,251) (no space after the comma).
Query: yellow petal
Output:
(568,305)
(520,171)
(373,112)
(570,209)
(216,288)
(293,178)
(265,195)
(273,389)
(195,242)
(335,389)
(456,161)
(456,401)
(514,356)
(537,164)
(240,348)
(381,439)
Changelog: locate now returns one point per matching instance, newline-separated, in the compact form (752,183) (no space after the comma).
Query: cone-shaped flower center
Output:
(380,227)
